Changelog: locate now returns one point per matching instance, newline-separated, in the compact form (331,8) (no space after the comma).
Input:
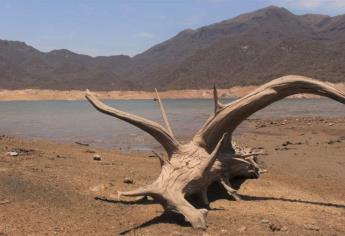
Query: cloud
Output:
(336,5)
(147,35)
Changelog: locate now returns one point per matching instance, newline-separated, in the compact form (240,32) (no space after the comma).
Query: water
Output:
(71,121)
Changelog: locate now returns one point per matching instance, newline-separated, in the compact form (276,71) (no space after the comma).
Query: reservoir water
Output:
(78,121)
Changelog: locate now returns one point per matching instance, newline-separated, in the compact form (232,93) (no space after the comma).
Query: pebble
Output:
(97,157)
(264,221)
(311,227)
(275,227)
(13,154)
(128,180)
(90,151)
(286,143)
(334,141)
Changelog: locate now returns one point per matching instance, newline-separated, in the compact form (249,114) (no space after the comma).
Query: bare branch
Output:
(217,104)
(232,192)
(213,156)
(165,117)
(142,191)
(170,144)
(229,117)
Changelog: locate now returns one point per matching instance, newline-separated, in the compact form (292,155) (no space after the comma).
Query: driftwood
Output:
(211,156)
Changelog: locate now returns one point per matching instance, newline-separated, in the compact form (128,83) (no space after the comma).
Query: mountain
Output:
(22,66)
(249,49)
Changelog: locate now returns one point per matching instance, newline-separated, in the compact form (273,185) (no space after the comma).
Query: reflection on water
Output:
(77,121)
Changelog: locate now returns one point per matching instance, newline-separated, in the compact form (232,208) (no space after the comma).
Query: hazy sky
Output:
(112,27)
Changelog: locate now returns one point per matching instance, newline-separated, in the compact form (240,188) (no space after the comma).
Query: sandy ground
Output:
(50,188)
(35,94)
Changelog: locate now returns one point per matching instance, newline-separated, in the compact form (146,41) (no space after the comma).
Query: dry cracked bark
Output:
(210,156)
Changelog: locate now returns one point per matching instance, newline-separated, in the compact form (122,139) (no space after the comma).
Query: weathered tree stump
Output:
(211,156)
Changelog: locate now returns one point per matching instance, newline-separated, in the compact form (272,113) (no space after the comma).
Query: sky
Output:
(128,27)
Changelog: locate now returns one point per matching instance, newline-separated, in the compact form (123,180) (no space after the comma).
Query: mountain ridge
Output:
(249,49)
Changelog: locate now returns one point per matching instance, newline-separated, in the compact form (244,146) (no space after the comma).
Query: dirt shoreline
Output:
(50,188)
(44,94)
(35,94)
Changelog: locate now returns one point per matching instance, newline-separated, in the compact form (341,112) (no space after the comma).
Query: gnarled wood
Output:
(169,143)
(217,105)
(232,114)
(211,156)
(164,114)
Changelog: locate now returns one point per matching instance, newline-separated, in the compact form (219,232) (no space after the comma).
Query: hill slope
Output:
(249,49)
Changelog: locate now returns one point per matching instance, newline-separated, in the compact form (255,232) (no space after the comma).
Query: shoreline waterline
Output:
(48,94)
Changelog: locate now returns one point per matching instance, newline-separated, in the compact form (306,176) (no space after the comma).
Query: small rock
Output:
(286,143)
(23,151)
(224,231)
(97,157)
(13,154)
(284,229)
(128,180)
(275,227)
(242,229)
(333,141)
(330,124)
(264,221)
(311,227)
(82,144)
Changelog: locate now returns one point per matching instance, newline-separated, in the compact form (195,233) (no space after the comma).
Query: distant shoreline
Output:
(47,94)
